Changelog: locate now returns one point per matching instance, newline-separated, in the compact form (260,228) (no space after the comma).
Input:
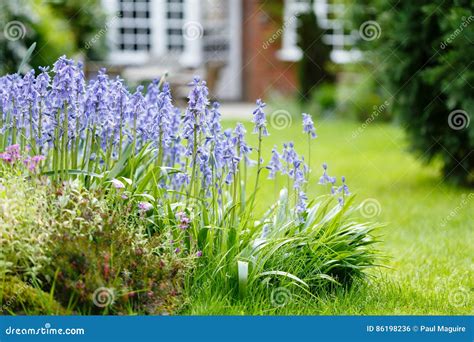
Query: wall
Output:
(262,71)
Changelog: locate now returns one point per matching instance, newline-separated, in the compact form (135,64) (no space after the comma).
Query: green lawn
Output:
(428,234)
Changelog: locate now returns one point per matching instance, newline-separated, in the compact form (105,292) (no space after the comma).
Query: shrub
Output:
(104,261)
(330,248)
(425,64)
(24,216)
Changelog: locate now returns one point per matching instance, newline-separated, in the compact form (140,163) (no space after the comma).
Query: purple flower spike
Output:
(344,188)
(199,254)
(275,164)
(308,125)
(325,178)
(259,118)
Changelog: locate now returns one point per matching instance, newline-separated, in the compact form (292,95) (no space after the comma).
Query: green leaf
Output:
(243,275)
(27,57)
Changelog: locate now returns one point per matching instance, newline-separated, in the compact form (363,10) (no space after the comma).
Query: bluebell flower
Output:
(344,188)
(301,204)
(259,119)
(275,164)
(308,125)
(325,178)
(239,141)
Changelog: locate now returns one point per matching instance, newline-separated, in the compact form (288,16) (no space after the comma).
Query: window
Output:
(330,17)
(174,25)
(216,30)
(134,25)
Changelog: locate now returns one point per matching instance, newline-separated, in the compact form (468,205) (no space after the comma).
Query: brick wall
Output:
(262,71)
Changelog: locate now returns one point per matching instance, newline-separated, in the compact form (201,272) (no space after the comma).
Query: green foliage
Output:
(69,242)
(424,51)
(20,297)
(331,248)
(31,21)
(58,28)
(25,228)
(89,254)
(86,23)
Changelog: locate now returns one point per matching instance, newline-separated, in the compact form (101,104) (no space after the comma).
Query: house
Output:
(235,44)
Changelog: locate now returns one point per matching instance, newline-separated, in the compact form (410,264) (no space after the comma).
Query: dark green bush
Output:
(425,54)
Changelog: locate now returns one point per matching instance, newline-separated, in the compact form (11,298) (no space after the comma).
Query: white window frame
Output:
(337,40)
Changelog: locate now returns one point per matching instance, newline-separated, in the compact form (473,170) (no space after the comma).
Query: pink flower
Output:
(183,220)
(199,254)
(11,154)
(145,206)
(32,162)
(117,184)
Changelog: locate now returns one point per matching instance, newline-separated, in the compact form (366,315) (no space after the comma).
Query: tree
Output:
(425,51)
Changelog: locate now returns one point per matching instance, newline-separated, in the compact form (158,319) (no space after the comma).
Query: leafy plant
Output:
(181,183)
(93,272)
(24,216)
(425,64)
